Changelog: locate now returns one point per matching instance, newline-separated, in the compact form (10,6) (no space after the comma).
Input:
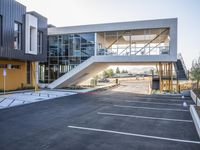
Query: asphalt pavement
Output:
(102,120)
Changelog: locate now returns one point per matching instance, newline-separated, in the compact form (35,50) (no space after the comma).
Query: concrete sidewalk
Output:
(15,98)
(20,98)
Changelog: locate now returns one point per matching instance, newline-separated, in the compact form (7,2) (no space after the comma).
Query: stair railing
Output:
(183,64)
(152,41)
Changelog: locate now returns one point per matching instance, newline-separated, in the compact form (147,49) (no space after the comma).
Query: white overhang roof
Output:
(145,24)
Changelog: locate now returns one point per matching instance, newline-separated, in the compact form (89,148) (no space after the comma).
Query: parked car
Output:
(104,80)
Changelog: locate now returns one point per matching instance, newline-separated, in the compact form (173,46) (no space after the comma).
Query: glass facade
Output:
(134,42)
(67,51)
(64,53)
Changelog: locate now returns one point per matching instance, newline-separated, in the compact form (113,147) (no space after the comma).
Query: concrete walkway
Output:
(15,99)
(29,96)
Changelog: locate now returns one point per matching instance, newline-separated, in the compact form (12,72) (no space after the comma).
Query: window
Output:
(17,36)
(10,66)
(40,42)
(32,39)
(31,33)
(1,30)
(66,52)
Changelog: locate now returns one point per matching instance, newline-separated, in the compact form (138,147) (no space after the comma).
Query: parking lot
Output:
(102,120)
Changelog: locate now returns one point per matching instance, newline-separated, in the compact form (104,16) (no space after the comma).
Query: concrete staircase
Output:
(180,68)
(96,64)
(78,74)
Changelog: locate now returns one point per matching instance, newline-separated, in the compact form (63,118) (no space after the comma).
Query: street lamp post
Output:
(4,81)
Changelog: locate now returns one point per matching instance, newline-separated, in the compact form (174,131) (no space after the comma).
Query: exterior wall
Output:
(15,78)
(12,11)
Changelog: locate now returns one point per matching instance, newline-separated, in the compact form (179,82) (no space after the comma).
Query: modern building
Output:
(74,54)
(23,43)
(77,53)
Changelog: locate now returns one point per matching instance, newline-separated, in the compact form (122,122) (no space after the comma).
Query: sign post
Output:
(4,80)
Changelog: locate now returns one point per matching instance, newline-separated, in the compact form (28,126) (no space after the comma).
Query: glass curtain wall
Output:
(66,52)
(134,42)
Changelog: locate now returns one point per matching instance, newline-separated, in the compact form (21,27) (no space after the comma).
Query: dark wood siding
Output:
(12,11)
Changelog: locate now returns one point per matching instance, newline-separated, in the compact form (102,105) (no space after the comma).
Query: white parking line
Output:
(144,117)
(163,99)
(168,109)
(157,103)
(136,135)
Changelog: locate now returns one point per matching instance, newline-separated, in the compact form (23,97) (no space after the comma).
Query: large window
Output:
(40,42)
(66,52)
(134,42)
(17,36)
(1,30)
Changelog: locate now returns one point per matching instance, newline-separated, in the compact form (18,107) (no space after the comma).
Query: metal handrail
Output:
(154,47)
(121,51)
(183,64)
(153,39)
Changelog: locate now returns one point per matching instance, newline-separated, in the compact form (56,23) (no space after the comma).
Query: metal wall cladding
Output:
(12,11)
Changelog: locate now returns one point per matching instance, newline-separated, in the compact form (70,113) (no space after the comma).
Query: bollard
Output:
(184,104)
(117,82)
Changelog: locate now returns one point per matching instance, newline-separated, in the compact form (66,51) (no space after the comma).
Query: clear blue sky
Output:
(79,12)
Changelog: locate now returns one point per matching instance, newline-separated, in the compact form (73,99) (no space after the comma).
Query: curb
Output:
(13,92)
(84,90)
(101,88)
(195,98)
(195,118)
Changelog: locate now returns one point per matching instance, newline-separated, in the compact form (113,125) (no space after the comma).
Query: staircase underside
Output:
(84,75)
(96,64)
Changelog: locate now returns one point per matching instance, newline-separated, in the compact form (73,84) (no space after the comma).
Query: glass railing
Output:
(123,51)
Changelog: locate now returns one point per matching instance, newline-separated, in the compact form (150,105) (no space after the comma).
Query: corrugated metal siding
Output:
(12,11)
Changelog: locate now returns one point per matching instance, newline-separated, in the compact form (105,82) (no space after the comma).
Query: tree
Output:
(96,77)
(124,71)
(105,74)
(108,73)
(117,70)
(195,71)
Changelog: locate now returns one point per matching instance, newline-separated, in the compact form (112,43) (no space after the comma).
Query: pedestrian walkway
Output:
(30,97)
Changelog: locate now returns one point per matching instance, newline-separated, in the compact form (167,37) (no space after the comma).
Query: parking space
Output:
(106,120)
(159,119)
